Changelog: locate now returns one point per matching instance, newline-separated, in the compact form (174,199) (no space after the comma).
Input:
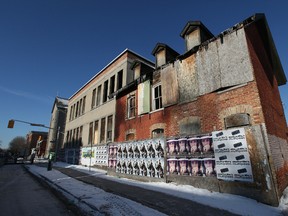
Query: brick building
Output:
(221,84)
(91,112)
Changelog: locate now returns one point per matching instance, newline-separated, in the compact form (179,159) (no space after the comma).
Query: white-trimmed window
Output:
(157,97)
(131,106)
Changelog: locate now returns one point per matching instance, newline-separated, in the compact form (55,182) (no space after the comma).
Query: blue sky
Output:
(52,47)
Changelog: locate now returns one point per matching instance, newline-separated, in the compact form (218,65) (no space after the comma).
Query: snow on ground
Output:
(115,205)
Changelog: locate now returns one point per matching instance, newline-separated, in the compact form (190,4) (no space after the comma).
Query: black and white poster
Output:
(232,160)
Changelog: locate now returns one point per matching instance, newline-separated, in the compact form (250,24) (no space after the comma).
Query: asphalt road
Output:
(21,194)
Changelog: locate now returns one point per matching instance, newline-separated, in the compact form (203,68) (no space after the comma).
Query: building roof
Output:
(160,46)
(191,25)
(262,25)
(143,59)
(60,103)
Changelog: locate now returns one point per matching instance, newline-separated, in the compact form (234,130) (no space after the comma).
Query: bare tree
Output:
(18,145)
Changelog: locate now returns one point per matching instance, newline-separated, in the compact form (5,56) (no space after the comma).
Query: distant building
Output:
(223,89)
(36,142)
(57,128)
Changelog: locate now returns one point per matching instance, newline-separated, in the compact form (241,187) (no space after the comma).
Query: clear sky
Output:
(53,47)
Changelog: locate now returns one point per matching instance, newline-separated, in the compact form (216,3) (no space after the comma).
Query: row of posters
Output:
(143,158)
(222,154)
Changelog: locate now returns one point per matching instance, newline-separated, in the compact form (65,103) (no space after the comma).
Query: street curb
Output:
(86,210)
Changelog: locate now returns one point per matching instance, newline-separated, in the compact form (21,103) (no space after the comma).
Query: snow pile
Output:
(111,204)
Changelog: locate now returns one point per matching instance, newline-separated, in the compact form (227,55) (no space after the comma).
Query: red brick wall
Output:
(271,104)
(206,107)
(267,84)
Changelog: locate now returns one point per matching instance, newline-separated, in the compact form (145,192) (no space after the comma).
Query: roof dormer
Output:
(194,34)
(164,54)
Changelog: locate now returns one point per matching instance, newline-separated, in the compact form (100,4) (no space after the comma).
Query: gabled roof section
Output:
(60,103)
(161,46)
(192,25)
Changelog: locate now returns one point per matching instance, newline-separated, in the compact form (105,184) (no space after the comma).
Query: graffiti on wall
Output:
(141,158)
(192,156)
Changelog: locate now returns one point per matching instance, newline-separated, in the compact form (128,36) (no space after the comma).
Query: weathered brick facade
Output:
(236,72)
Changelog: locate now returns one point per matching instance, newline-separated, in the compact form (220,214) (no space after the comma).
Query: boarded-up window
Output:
(157,97)
(169,86)
(102,133)
(237,120)
(144,97)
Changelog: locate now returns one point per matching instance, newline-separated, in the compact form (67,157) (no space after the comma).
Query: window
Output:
(112,85)
(90,136)
(80,135)
(98,97)
(77,136)
(109,128)
(77,109)
(159,132)
(119,79)
(96,131)
(157,97)
(80,106)
(130,136)
(71,112)
(105,91)
(131,106)
(102,133)
(83,107)
(74,138)
(93,98)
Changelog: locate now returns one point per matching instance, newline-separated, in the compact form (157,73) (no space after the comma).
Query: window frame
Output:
(157,99)
(131,109)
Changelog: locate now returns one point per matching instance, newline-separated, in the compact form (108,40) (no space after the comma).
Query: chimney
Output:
(194,34)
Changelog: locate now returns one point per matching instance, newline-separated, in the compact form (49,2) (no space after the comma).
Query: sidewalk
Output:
(105,195)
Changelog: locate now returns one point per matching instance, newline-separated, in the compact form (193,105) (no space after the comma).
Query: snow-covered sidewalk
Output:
(91,198)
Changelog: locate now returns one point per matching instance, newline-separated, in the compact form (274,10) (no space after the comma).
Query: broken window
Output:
(105,91)
(157,97)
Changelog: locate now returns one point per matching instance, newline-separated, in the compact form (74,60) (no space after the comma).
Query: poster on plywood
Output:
(232,156)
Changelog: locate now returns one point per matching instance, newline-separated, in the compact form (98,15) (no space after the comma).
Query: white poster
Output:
(232,160)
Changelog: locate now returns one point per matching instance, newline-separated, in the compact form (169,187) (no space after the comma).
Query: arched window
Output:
(130,136)
(159,132)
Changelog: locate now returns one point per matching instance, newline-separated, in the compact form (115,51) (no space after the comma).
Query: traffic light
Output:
(11,124)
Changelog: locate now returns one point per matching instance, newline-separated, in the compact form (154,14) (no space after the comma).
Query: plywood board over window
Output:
(170,92)
(144,97)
